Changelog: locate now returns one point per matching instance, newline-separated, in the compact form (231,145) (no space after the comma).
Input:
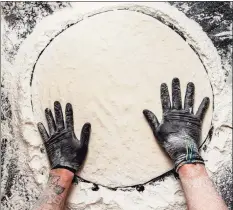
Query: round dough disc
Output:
(110,67)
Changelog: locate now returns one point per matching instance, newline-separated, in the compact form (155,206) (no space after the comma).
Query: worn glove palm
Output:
(180,130)
(63,148)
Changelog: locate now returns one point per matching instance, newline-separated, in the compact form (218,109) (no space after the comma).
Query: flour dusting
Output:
(32,158)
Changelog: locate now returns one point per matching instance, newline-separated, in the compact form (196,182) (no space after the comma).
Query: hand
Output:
(180,130)
(63,148)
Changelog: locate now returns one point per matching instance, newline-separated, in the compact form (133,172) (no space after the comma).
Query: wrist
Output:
(192,170)
(65,174)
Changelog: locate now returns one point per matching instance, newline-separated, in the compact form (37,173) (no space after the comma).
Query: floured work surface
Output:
(110,67)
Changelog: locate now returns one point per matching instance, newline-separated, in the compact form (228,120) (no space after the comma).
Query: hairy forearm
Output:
(199,189)
(56,191)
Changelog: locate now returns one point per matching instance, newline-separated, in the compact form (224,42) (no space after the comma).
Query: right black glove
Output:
(63,148)
(180,130)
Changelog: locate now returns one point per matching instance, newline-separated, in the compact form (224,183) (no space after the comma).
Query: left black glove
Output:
(63,148)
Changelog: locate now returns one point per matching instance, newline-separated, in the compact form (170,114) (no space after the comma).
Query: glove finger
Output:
(189,97)
(151,119)
(69,117)
(44,134)
(176,94)
(203,108)
(50,121)
(165,98)
(59,116)
(85,134)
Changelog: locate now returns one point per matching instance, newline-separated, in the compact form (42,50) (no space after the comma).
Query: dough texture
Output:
(110,67)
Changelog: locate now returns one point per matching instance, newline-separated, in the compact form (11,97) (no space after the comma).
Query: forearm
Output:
(56,191)
(199,189)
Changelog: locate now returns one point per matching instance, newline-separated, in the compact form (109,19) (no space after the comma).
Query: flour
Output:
(157,195)
(109,81)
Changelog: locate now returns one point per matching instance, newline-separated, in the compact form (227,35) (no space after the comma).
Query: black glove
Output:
(180,130)
(63,148)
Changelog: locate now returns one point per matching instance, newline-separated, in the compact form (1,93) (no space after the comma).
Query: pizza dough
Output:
(110,67)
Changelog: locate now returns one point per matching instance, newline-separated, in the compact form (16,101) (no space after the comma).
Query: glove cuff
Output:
(185,160)
(65,167)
